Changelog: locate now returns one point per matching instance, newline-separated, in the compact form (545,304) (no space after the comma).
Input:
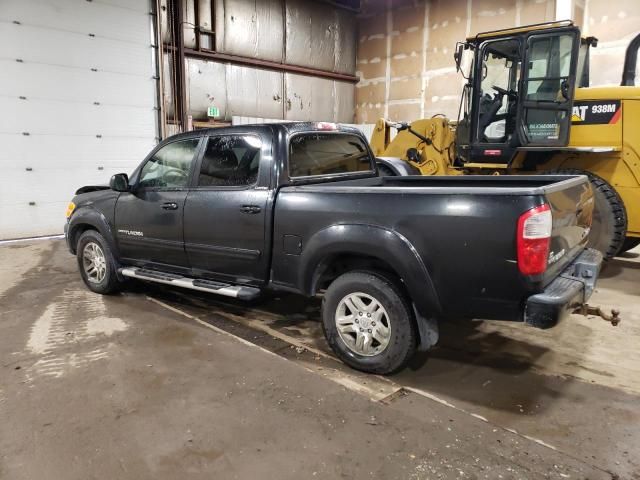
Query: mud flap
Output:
(428,331)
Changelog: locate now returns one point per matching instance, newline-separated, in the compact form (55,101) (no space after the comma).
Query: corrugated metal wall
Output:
(295,32)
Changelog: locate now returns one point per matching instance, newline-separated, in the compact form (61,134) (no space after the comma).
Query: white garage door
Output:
(77,99)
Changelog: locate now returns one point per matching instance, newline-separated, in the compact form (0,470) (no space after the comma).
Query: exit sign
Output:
(213,112)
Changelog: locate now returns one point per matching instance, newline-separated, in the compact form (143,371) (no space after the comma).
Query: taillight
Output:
(534,236)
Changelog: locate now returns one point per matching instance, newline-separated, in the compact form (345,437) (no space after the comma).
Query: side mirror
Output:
(457,56)
(119,182)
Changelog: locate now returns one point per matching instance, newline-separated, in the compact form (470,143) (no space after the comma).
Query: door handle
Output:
(170,206)
(250,209)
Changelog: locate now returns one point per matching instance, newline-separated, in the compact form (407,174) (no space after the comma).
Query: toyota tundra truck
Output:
(301,207)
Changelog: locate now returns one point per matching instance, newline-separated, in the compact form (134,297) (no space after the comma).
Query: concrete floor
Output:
(164,383)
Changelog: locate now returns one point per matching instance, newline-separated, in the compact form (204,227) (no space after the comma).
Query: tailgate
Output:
(572,205)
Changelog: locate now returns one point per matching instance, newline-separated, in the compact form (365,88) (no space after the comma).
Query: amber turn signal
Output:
(70,208)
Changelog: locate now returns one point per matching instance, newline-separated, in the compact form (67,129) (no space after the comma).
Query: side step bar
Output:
(219,288)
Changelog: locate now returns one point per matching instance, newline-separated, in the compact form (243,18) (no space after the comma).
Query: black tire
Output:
(403,336)
(386,171)
(629,244)
(110,283)
(609,226)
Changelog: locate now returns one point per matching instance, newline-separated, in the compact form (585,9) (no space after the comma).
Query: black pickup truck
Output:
(300,207)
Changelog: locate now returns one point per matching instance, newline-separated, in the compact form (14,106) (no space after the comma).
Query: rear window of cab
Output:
(320,154)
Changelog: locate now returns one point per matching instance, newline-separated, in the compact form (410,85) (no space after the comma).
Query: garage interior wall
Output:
(280,59)
(405,47)
(615,24)
(78,103)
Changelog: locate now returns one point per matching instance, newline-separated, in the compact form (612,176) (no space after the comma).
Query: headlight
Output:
(70,208)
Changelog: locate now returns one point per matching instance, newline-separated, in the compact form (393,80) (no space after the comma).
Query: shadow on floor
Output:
(483,368)
(618,265)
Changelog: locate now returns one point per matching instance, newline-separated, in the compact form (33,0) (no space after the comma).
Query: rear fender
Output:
(372,241)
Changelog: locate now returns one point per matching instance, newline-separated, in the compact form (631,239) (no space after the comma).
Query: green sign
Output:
(213,112)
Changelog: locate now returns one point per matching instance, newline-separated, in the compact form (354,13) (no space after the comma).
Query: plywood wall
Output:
(405,51)
(614,23)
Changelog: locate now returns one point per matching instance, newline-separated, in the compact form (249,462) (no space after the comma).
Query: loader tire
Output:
(385,171)
(609,227)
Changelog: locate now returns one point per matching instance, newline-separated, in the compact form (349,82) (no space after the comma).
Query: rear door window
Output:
(328,154)
(231,161)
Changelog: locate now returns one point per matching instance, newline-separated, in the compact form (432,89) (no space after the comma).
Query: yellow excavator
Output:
(527,108)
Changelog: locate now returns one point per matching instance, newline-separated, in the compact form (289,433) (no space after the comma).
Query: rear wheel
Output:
(609,225)
(629,244)
(368,322)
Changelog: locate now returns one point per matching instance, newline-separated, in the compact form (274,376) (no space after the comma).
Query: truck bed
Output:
(486,184)
(464,228)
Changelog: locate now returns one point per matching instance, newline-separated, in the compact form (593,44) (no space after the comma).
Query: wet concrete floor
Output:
(137,386)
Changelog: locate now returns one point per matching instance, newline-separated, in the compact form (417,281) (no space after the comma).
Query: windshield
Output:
(328,154)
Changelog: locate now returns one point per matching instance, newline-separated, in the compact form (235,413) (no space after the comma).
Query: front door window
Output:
(170,166)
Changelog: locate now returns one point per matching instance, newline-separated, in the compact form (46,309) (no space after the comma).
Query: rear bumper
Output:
(571,288)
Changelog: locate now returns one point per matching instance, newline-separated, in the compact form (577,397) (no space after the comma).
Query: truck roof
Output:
(286,127)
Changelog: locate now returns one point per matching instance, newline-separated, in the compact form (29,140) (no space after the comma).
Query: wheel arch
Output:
(90,219)
(341,248)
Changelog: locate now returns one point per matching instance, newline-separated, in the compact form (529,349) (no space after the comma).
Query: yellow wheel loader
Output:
(527,108)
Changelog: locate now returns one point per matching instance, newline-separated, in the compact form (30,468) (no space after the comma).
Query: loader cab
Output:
(519,93)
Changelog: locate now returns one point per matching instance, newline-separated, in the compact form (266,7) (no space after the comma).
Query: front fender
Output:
(372,241)
(88,217)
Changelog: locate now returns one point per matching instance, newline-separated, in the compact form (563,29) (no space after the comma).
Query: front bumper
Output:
(570,289)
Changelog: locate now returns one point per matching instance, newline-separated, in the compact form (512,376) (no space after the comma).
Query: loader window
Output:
(549,63)
(498,91)
(549,79)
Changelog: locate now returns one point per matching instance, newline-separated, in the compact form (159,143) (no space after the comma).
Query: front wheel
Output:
(368,322)
(96,263)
